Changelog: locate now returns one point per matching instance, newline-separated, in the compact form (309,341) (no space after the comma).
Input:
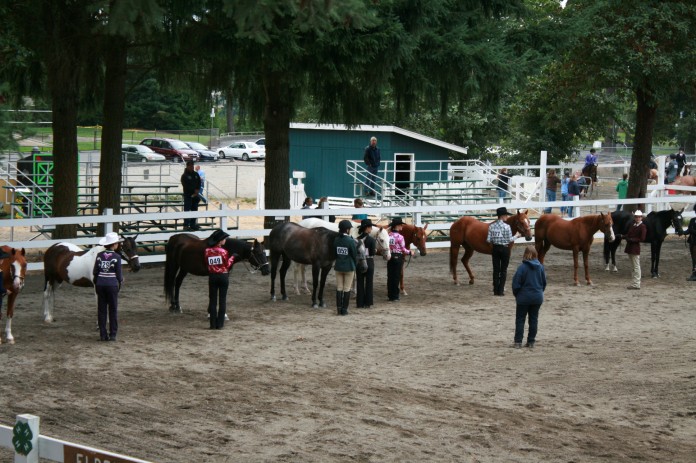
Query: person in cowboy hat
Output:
(398,249)
(634,236)
(346,262)
(107,278)
(219,262)
(500,236)
(364,285)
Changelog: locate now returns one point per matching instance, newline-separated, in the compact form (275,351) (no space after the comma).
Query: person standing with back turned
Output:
(528,286)
(397,247)
(219,262)
(107,279)
(372,158)
(365,280)
(634,236)
(346,257)
(500,236)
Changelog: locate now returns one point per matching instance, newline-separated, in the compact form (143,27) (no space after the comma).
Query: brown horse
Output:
(416,236)
(685,180)
(576,235)
(14,270)
(471,233)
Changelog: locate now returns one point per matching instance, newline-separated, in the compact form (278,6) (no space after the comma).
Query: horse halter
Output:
(255,264)
(13,274)
(124,256)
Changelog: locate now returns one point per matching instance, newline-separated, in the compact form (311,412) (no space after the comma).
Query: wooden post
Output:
(25,438)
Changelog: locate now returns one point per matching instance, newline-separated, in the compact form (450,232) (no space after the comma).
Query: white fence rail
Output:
(29,446)
(224,215)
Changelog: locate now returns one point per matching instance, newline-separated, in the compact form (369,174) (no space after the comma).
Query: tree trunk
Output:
(63,83)
(642,147)
(229,110)
(276,123)
(112,134)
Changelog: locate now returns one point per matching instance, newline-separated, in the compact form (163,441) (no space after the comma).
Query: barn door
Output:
(404,172)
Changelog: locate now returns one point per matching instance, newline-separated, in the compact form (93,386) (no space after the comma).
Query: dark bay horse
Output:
(14,270)
(576,235)
(307,246)
(70,263)
(416,236)
(656,223)
(471,233)
(185,254)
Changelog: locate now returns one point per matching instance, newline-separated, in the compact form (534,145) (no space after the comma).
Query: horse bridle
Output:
(13,274)
(256,265)
(124,256)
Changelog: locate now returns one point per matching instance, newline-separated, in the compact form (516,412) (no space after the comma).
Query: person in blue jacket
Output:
(528,286)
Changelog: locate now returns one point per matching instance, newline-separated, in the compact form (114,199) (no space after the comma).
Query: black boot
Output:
(339,302)
(346,302)
(692,277)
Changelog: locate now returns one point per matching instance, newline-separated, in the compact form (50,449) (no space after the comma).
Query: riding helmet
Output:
(344,226)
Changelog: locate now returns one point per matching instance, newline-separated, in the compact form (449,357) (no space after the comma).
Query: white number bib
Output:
(215,260)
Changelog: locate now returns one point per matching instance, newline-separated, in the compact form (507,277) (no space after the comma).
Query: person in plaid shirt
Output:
(500,236)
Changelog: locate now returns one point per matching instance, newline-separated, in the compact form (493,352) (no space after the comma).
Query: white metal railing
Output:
(223,215)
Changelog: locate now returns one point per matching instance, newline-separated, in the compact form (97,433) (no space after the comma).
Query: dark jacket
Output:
(634,236)
(191,182)
(346,253)
(107,269)
(370,243)
(529,283)
(372,156)
(691,231)
(573,188)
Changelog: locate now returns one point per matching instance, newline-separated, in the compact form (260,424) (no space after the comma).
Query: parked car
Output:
(140,153)
(173,150)
(244,150)
(261,142)
(204,154)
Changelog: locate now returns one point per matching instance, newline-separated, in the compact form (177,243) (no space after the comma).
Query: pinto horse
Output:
(471,233)
(70,263)
(416,236)
(656,224)
(307,246)
(185,254)
(378,233)
(576,235)
(14,270)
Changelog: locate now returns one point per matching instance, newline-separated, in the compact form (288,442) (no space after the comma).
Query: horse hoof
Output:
(315,306)
(322,305)
(10,341)
(285,298)
(471,282)
(273,298)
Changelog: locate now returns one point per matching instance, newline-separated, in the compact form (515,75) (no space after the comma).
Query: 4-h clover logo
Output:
(21,438)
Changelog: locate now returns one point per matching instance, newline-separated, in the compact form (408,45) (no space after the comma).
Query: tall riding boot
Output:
(346,302)
(692,277)
(339,302)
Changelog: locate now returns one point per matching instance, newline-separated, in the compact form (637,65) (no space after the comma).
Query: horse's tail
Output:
(171,266)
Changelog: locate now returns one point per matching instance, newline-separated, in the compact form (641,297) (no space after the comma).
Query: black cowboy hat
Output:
(502,211)
(396,221)
(3,254)
(365,223)
(217,236)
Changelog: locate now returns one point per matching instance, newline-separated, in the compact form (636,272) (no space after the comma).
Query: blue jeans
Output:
(564,197)
(521,315)
(550,196)
(502,193)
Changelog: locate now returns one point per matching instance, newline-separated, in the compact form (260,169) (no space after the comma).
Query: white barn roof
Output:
(381,128)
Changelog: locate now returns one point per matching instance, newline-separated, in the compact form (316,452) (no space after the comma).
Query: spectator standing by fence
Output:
(564,193)
(573,192)
(622,189)
(552,182)
(191,182)
(681,160)
(373,159)
(503,183)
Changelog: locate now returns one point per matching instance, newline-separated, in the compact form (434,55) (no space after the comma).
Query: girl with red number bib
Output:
(219,262)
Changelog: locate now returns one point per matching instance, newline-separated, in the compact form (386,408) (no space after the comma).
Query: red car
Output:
(173,150)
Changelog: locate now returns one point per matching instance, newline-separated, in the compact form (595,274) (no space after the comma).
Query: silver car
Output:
(244,150)
(140,153)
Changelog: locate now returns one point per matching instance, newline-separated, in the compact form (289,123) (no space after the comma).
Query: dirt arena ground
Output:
(432,378)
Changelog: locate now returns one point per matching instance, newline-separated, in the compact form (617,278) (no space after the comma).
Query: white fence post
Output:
(108,226)
(223,219)
(25,438)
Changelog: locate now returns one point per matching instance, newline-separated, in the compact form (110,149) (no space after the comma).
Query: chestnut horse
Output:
(471,233)
(416,236)
(71,263)
(14,270)
(685,180)
(576,235)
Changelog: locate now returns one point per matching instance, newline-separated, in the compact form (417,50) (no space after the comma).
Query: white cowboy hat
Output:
(110,238)
(639,213)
